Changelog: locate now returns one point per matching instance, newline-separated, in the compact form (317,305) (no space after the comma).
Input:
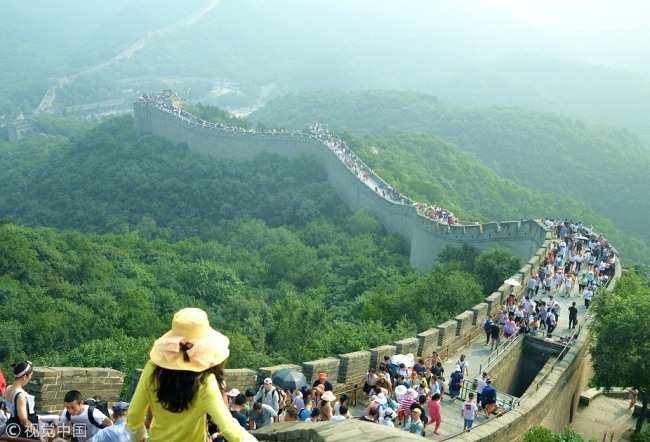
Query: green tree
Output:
(622,338)
(494,266)
(541,434)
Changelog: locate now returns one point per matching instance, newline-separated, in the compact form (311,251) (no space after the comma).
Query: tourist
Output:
(305,413)
(315,415)
(181,382)
(343,400)
(487,328)
(414,424)
(370,380)
(326,406)
(322,380)
(387,419)
(370,416)
(573,316)
(455,383)
(341,417)
(488,398)
(510,328)
(463,364)
(495,333)
(435,416)
(20,404)
(469,412)
(78,415)
(117,432)
(481,384)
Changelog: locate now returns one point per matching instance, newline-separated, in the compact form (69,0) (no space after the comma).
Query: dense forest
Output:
(567,167)
(107,233)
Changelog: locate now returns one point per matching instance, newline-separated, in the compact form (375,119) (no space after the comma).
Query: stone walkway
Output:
(604,415)
(475,353)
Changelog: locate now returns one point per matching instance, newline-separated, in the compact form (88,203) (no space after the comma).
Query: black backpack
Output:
(99,404)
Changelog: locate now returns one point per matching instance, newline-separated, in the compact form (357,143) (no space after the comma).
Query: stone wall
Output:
(50,384)
(423,238)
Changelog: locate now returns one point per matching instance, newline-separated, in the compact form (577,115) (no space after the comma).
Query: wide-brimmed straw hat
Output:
(191,344)
(328,396)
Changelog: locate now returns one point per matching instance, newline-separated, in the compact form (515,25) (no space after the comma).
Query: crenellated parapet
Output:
(424,238)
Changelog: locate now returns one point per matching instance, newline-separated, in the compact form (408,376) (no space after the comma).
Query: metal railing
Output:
(469,386)
(485,363)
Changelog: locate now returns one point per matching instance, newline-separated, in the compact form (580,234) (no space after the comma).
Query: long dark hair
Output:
(175,389)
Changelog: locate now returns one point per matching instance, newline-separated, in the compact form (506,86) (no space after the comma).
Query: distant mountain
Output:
(591,93)
(242,52)
(555,156)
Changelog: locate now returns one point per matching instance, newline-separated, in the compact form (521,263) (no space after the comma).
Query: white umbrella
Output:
(584,238)
(512,281)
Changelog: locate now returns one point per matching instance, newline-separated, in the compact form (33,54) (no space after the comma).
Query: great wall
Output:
(549,398)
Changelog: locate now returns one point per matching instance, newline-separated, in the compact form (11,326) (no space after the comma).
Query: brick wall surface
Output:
(446,333)
(241,378)
(352,368)
(406,346)
(494,302)
(329,366)
(428,342)
(464,323)
(50,384)
(480,312)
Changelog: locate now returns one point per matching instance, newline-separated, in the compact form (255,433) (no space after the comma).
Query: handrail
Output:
(500,349)
(465,389)
(354,394)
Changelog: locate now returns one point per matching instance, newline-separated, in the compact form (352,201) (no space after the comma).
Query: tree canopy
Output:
(622,337)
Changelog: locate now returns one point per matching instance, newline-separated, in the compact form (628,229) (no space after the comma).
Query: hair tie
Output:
(184,346)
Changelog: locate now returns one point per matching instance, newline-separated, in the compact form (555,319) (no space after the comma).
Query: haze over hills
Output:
(241,53)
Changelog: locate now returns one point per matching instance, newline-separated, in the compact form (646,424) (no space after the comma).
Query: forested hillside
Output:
(568,165)
(266,247)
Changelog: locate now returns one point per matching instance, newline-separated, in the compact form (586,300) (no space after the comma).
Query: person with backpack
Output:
(78,414)
(455,383)
(269,395)
(487,327)
(488,398)
(305,413)
(463,364)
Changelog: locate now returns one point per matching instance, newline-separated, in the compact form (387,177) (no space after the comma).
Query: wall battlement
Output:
(423,238)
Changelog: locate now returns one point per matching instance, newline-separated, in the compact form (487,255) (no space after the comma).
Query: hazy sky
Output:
(613,32)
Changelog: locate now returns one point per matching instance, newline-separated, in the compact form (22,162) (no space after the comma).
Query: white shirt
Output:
(82,428)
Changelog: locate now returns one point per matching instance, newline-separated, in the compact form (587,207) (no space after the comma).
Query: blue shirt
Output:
(115,433)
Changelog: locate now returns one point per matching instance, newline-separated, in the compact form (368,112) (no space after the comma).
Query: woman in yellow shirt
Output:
(182,383)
